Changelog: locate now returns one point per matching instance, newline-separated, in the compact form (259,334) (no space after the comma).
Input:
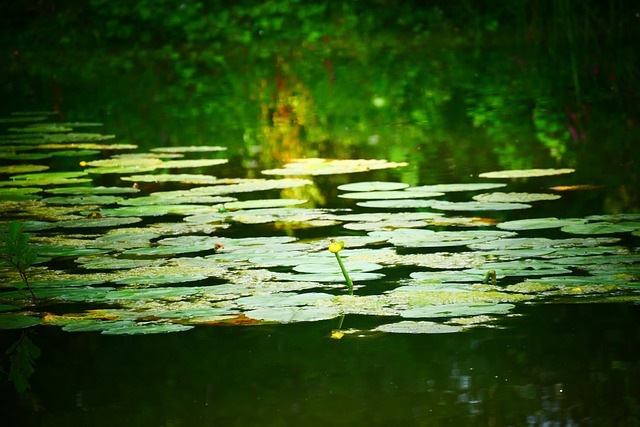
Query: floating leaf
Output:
(264,203)
(373,186)
(146,329)
(22,168)
(601,227)
(514,197)
(82,200)
(18,321)
(525,173)
(538,223)
(457,310)
(293,314)
(411,327)
(397,204)
(316,166)
(427,238)
(388,195)
(93,190)
(476,206)
(189,149)
(448,188)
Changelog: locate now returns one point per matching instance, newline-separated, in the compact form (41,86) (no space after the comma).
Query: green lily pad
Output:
(12,169)
(448,188)
(82,200)
(601,227)
(538,223)
(332,267)
(498,197)
(94,222)
(427,238)
(192,163)
(317,166)
(264,203)
(397,203)
(146,329)
(93,190)
(111,263)
(18,321)
(388,195)
(293,314)
(93,325)
(152,293)
(457,310)
(411,327)
(189,149)
(8,307)
(476,206)
(525,173)
(373,186)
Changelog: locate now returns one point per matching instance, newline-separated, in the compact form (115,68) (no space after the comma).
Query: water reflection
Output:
(557,365)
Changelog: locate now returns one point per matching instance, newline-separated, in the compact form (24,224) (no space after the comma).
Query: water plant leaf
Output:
(189,149)
(426,238)
(92,190)
(448,188)
(601,228)
(538,223)
(476,206)
(388,195)
(331,267)
(22,169)
(18,321)
(82,200)
(457,310)
(418,327)
(293,314)
(147,328)
(263,203)
(373,186)
(408,203)
(318,166)
(525,173)
(514,197)
(95,222)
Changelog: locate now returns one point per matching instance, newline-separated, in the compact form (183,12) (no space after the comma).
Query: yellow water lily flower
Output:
(335,247)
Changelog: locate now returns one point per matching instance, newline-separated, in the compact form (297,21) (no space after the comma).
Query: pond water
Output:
(181,179)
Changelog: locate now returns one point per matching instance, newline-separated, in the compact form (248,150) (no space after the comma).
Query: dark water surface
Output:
(564,365)
(556,364)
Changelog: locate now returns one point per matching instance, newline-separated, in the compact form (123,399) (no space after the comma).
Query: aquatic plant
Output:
(334,248)
(17,253)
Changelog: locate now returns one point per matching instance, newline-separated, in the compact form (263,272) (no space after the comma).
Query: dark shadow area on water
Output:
(558,364)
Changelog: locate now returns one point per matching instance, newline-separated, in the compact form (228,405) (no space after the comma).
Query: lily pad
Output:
(11,169)
(448,188)
(476,206)
(293,314)
(411,327)
(388,195)
(146,329)
(601,227)
(93,190)
(525,173)
(18,321)
(514,197)
(189,149)
(317,166)
(538,223)
(373,186)
(457,310)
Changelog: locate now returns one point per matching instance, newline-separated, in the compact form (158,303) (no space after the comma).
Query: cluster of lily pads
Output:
(144,261)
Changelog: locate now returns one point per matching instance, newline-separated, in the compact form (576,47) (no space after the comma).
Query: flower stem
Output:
(345,274)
